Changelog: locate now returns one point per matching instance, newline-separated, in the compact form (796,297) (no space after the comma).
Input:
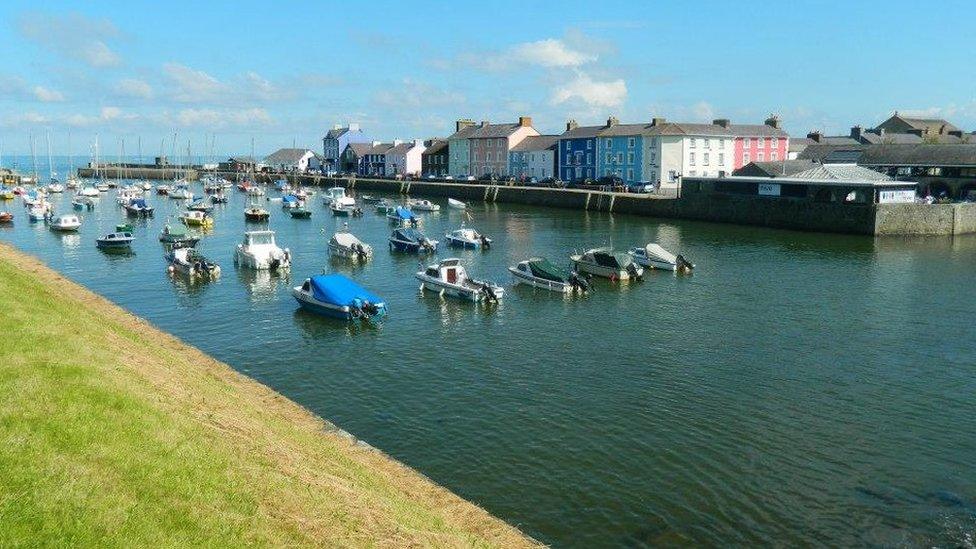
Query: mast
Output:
(96,157)
(71,158)
(50,164)
(33,158)
(121,157)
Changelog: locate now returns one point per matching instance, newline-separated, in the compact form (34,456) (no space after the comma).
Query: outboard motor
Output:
(485,242)
(275,263)
(580,283)
(683,264)
(414,222)
(489,295)
(369,310)
(427,246)
(360,251)
(634,273)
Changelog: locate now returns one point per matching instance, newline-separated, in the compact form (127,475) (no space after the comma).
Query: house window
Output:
(760,156)
(691,158)
(579,172)
(630,174)
(631,142)
(630,157)
(694,142)
(653,176)
(569,147)
(721,143)
(708,143)
(745,158)
(589,144)
(609,158)
(705,159)
(692,173)
(589,158)
(498,157)
(488,143)
(769,141)
(532,157)
(620,158)
(773,155)
(721,159)
(474,157)
(747,142)
(589,173)
(608,143)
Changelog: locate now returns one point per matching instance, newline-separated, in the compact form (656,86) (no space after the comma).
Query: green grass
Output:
(114,434)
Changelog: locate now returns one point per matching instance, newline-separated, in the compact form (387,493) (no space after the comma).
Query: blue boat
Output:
(337,296)
(402,216)
(406,239)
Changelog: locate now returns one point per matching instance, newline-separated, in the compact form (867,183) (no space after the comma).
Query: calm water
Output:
(797,389)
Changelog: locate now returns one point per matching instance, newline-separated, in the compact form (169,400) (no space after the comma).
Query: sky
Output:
(282,73)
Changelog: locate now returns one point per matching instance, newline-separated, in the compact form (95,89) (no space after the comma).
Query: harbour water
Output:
(798,388)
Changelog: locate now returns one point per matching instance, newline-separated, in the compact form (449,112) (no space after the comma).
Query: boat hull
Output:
(331,310)
(655,264)
(250,261)
(612,273)
(462,243)
(466,293)
(409,247)
(545,284)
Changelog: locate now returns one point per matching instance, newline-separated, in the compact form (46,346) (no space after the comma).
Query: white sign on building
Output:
(769,189)
(896,196)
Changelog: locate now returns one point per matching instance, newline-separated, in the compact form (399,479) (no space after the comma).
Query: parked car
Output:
(469,178)
(487,177)
(613,180)
(448,178)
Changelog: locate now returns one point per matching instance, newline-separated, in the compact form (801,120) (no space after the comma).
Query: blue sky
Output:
(283,72)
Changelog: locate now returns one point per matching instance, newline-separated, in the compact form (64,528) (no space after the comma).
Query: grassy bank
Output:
(113,433)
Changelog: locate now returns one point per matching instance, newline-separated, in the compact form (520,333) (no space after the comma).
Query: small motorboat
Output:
(181,193)
(256,214)
(337,296)
(138,207)
(197,219)
(66,223)
(259,251)
(385,206)
(300,213)
(126,195)
(406,239)
(6,217)
(39,212)
(424,206)
(90,192)
(115,241)
(467,238)
(655,256)
(83,203)
(456,204)
(369,199)
(72,182)
(55,188)
(178,235)
(219,198)
(290,201)
(346,211)
(102,186)
(163,190)
(448,277)
(336,196)
(539,272)
(345,245)
(255,190)
(189,262)
(607,263)
(146,186)
(200,206)
(403,216)
(7,194)
(123,228)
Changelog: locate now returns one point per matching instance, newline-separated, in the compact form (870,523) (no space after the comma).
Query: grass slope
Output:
(115,434)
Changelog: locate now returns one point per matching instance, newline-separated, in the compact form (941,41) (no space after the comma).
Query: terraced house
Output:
(435,159)
(534,157)
(757,142)
(459,163)
(490,145)
(621,149)
(404,158)
(680,149)
(578,152)
(334,144)
(374,159)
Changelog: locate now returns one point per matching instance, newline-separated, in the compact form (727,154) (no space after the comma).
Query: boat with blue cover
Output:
(403,216)
(406,239)
(465,237)
(337,296)
(137,207)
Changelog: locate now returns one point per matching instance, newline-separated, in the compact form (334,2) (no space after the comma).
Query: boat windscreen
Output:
(542,268)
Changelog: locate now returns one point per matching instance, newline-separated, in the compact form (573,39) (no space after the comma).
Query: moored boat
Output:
(66,223)
(449,277)
(6,217)
(540,273)
(385,206)
(406,239)
(195,218)
(256,214)
(456,204)
(138,207)
(465,237)
(178,235)
(259,251)
(300,213)
(200,206)
(83,202)
(115,241)
(336,196)
(403,216)
(656,257)
(337,296)
(345,245)
(607,263)
(189,262)
(424,205)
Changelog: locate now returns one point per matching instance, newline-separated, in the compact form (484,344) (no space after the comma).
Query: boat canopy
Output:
(409,235)
(176,230)
(346,240)
(656,251)
(281,184)
(138,203)
(340,290)
(543,268)
(289,199)
(606,258)
(404,213)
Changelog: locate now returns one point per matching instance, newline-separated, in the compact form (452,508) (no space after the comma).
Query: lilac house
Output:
(335,142)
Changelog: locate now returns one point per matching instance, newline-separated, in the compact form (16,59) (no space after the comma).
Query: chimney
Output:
(817,137)
(773,121)
(463,123)
(337,126)
(484,123)
(525,121)
(397,142)
(658,121)
(856,132)
(724,122)
(354,127)
(612,121)
(571,125)
(956,133)
(418,142)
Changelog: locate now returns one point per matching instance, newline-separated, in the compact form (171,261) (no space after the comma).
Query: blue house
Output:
(373,160)
(334,144)
(578,152)
(621,151)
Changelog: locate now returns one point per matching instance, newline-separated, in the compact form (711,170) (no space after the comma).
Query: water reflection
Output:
(315,327)
(263,285)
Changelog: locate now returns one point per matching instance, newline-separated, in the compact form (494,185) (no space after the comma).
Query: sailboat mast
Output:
(50,164)
(33,158)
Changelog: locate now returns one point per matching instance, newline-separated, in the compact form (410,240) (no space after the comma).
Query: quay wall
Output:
(114,172)
(867,219)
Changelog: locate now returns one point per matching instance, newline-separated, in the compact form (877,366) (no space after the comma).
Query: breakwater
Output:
(112,171)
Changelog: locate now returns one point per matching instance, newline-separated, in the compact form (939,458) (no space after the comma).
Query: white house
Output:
(534,156)
(289,160)
(692,150)
(405,158)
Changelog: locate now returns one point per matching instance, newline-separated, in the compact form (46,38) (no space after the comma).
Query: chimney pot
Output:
(337,126)
(773,121)
(525,121)
(612,121)
(571,125)
(815,136)
(724,122)
(658,121)
(484,123)
(856,132)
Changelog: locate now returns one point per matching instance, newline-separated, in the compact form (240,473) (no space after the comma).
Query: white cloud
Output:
(47,95)
(703,111)
(132,87)
(583,88)
(190,85)
(417,95)
(550,53)
(214,118)
(73,36)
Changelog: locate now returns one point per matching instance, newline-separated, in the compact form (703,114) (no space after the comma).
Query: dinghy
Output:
(345,245)
(607,263)
(456,204)
(337,296)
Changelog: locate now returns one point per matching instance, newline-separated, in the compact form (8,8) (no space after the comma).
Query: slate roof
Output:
(933,125)
(493,131)
(919,155)
(402,148)
(537,143)
(774,168)
(336,134)
(625,129)
(580,132)
(757,130)
(382,148)
(674,128)
(819,151)
(874,138)
(360,148)
(464,133)
(437,146)
(845,172)
(286,156)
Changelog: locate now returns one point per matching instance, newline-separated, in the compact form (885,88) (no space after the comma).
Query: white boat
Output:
(656,257)
(607,263)
(448,277)
(102,187)
(467,238)
(181,193)
(336,196)
(456,204)
(89,191)
(424,206)
(259,251)
(55,188)
(540,273)
(146,186)
(39,212)
(345,245)
(255,191)
(189,262)
(66,223)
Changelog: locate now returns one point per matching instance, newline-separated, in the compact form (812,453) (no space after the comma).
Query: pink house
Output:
(765,142)
(491,143)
